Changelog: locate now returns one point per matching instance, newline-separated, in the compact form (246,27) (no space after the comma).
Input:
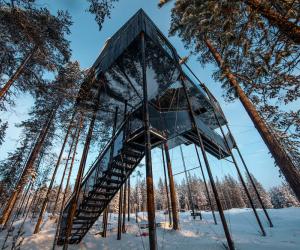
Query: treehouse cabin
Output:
(113,89)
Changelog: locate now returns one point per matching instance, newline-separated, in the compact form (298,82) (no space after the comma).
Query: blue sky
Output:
(86,43)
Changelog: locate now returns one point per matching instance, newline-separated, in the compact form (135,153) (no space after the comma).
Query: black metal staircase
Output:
(104,180)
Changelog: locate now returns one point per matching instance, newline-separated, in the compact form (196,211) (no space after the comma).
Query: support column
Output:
(218,202)
(188,186)
(104,222)
(172,188)
(128,200)
(239,174)
(124,208)
(148,160)
(167,188)
(120,214)
(251,180)
(240,155)
(206,187)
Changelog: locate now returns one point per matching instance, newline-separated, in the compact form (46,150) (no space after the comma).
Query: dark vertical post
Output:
(240,155)
(188,184)
(120,214)
(125,184)
(166,185)
(238,170)
(172,188)
(105,221)
(149,178)
(111,156)
(128,200)
(251,179)
(242,180)
(206,187)
(121,189)
(124,208)
(195,128)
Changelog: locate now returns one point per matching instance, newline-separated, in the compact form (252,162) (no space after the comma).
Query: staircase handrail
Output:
(106,148)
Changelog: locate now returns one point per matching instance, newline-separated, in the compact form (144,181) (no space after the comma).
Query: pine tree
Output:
(11,168)
(3,128)
(266,199)
(47,105)
(143,201)
(180,195)
(114,204)
(160,195)
(38,37)
(235,194)
(198,192)
(101,9)
(282,197)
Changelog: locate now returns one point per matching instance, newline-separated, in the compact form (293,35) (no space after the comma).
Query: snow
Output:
(193,234)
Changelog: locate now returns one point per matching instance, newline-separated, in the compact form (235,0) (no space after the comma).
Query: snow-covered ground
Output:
(193,234)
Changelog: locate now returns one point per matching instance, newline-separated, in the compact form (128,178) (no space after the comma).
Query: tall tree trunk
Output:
(166,186)
(18,72)
(148,159)
(172,188)
(28,168)
(289,170)
(73,205)
(288,28)
(75,138)
(65,170)
(45,202)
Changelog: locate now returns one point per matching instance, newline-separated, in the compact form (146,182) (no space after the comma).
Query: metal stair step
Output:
(86,218)
(97,199)
(114,173)
(132,153)
(106,186)
(102,193)
(114,181)
(79,222)
(110,187)
(136,146)
(88,211)
(123,160)
(122,167)
(92,205)
(107,180)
